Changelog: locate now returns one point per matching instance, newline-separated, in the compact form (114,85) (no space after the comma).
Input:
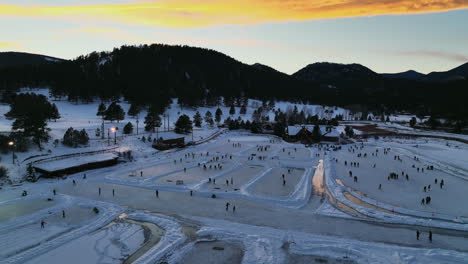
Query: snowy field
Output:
(239,198)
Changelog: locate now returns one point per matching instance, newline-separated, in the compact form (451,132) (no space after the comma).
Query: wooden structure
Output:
(170,143)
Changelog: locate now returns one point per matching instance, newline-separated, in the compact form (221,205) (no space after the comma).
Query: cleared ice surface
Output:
(235,179)
(108,245)
(400,192)
(272,184)
(213,252)
(31,235)
(159,169)
(22,208)
(294,153)
(196,174)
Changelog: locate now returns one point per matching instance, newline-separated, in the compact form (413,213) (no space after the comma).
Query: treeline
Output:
(149,75)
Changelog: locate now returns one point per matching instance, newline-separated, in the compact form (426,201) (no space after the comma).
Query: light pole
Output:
(137,122)
(11,144)
(114,130)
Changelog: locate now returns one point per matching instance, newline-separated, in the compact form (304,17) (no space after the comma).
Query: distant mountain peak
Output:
(458,73)
(407,75)
(335,72)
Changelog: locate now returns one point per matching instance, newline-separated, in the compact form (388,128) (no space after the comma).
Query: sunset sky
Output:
(384,35)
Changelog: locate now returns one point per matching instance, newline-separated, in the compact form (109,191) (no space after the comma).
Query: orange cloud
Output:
(198,13)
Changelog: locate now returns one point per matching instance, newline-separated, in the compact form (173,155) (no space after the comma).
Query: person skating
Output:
(54,191)
(157,193)
(227,206)
(99,190)
(417,234)
(430,236)
(113,192)
(234,209)
(63,213)
(43,224)
(74,182)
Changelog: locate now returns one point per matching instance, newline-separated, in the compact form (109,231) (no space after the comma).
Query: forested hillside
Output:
(152,74)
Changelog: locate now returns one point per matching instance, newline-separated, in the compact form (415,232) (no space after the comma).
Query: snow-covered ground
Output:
(238,198)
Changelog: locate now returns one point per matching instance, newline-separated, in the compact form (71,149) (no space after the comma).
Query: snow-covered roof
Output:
(293,130)
(62,164)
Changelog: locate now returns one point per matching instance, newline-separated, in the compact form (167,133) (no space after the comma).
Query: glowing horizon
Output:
(384,35)
(202,13)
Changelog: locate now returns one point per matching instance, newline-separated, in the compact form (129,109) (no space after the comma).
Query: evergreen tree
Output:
(3,172)
(243,110)
(209,118)
(152,119)
(134,110)
(31,112)
(128,128)
(30,172)
(83,138)
(218,115)
(349,131)
(183,125)
(197,119)
(101,109)
(255,127)
(412,122)
(316,133)
(279,129)
(54,113)
(232,110)
(114,112)
(75,138)
(68,137)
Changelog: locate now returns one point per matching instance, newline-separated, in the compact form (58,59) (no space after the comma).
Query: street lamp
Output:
(11,144)
(114,130)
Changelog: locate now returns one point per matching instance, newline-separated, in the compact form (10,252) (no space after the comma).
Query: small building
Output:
(303,133)
(170,143)
(60,167)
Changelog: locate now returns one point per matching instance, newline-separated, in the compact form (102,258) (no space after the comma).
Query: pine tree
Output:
(183,125)
(316,133)
(31,112)
(114,112)
(243,110)
(54,113)
(197,119)
(209,118)
(128,128)
(152,119)
(75,138)
(134,110)
(30,172)
(218,115)
(349,131)
(232,110)
(412,122)
(68,137)
(279,129)
(83,138)
(101,109)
